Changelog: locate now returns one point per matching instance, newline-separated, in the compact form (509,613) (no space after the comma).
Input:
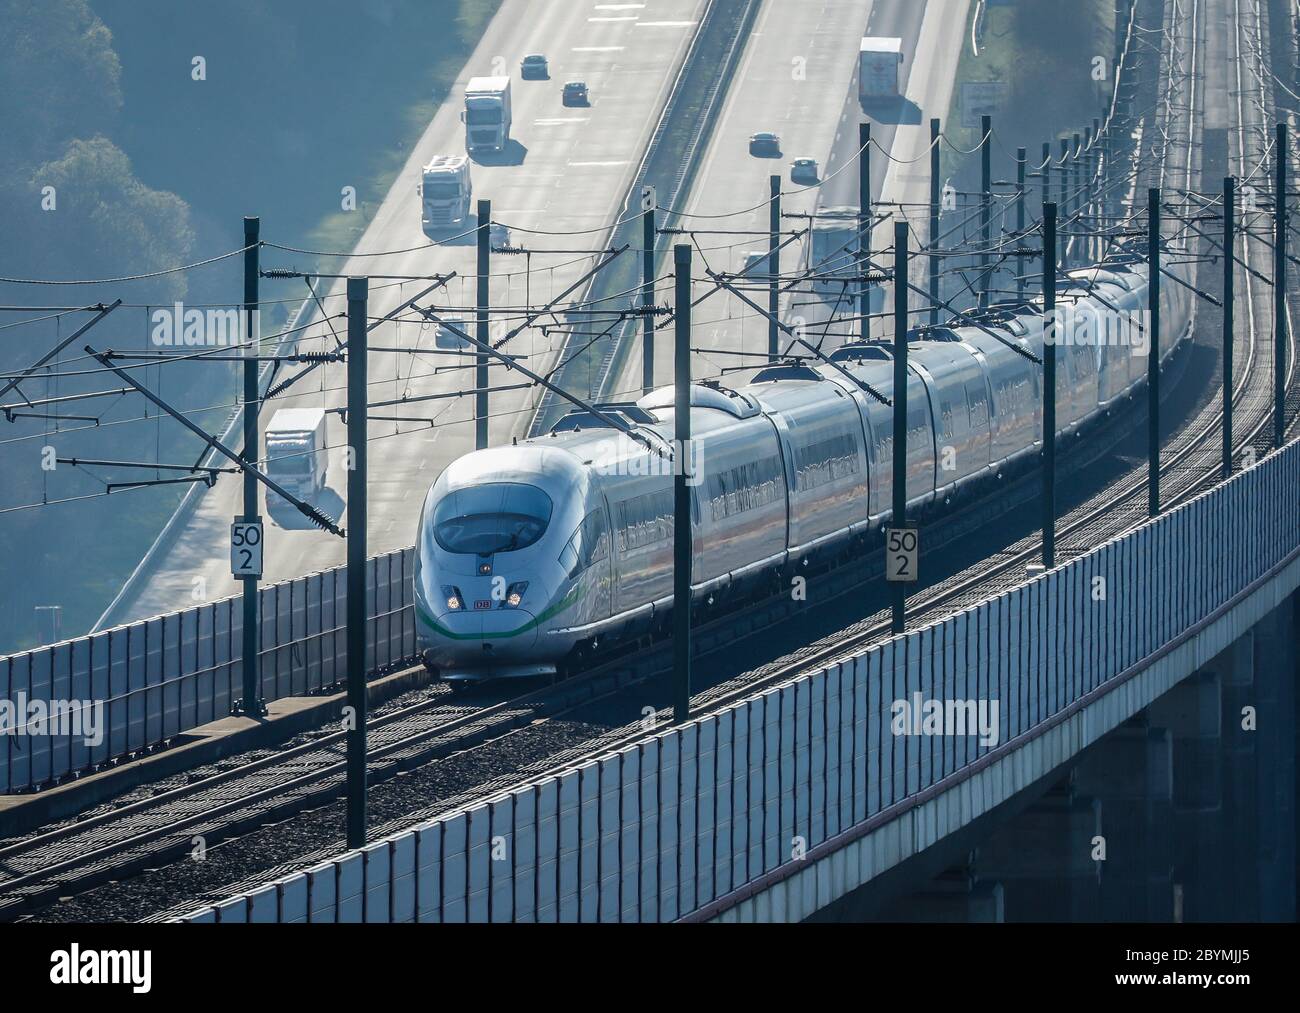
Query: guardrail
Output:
(140,685)
(686,821)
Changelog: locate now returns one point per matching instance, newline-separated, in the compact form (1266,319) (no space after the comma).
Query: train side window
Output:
(595,537)
(633,523)
(666,518)
(978,411)
(827,460)
(649,520)
(918,426)
(589,544)
(620,525)
(945,418)
(569,556)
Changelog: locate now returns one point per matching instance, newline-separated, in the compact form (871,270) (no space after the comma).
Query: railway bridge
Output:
(1060,743)
(1144,668)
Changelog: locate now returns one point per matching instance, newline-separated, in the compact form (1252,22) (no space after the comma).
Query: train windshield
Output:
(497,517)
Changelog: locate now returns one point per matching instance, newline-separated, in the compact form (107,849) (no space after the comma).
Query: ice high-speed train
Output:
(529,554)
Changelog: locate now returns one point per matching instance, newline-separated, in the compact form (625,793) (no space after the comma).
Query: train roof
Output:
(526,462)
(704,395)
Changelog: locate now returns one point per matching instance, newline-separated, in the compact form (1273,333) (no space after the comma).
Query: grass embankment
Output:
(1042,52)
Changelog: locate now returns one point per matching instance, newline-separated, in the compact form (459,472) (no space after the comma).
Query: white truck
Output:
(833,251)
(833,259)
(879,63)
(487,114)
(296,454)
(445,190)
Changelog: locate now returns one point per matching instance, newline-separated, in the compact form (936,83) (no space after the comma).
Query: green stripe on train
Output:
(569,599)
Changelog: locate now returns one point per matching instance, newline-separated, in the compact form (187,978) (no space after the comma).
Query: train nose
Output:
(497,631)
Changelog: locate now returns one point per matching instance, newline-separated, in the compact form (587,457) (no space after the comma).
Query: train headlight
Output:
(515,594)
(455,600)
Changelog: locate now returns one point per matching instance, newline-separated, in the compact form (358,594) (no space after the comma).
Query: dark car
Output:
(534,67)
(765,145)
(804,170)
(575,93)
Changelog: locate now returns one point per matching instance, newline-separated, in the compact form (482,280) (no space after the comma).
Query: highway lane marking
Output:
(595,165)
(598,49)
(556,120)
(666,24)
(632,17)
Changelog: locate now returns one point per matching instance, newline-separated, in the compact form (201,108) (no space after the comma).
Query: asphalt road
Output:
(798,80)
(567,173)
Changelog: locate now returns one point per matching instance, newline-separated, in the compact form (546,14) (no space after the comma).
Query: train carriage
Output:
(563,544)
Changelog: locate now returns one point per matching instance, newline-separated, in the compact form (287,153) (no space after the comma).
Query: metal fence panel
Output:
(688,799)
(480,862)
(649,804)
(608,874)
(322,890)
(293,899)
(589,841)
(7,742)
(264,905)
(706,774)
(20,744)
(79,682)
(627,831)
(548,851)
(570,845)
(428,872)
(455,868)
(669,787)
(403,878)
(351,886)
(523,837)
(377,869)
(503,857)
(816,753)
(40,690)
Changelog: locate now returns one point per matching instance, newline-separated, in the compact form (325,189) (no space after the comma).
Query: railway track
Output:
(109,845)
(1189,464)
(213,808)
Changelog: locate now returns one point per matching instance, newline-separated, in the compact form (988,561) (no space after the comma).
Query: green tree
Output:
(106,221)
(59,77)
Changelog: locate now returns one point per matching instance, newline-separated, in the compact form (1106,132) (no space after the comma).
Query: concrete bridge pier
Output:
(1043,859)
(957,895)
(1276,671)
(1193,713)
(1132,770)
(1236,668)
